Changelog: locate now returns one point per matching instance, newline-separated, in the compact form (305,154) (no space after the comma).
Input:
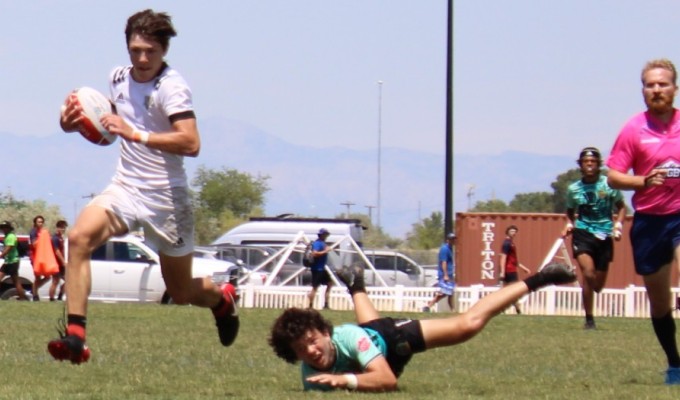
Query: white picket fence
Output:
(555,300)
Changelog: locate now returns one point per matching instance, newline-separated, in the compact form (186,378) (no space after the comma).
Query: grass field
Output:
(171,352)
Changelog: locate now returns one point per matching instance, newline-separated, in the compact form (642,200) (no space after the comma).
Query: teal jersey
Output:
(594,203)
(355,348)
(13,255)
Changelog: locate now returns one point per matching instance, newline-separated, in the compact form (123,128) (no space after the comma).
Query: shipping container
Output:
(481,235)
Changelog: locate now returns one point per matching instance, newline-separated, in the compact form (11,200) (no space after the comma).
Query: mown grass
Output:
(171,352)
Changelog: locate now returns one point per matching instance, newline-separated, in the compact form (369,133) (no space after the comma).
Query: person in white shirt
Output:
(156,123)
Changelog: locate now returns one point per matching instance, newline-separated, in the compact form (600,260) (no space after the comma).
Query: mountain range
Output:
(313,180)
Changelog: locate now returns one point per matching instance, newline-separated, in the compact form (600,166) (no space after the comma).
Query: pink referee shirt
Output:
(646,143)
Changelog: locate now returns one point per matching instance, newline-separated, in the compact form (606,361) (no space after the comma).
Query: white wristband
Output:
(570,225)
(140,137)
(352,381)
(618,226)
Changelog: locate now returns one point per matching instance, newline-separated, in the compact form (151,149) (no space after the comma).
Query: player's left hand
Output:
(618,231)
(656,177)
(116,125)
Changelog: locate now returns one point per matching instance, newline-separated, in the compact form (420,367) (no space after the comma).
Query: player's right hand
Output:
(71,114)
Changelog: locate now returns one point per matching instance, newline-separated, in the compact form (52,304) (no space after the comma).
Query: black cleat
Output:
(557,274)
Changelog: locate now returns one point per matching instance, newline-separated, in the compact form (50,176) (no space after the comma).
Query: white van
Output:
(284,230)
(393,267)
(280,231)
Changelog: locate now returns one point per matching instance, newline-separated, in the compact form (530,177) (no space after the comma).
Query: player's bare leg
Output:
(462,327)
(93,227)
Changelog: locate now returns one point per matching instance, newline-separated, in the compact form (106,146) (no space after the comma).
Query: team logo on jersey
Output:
(148,102)
(363,344)
(672,168)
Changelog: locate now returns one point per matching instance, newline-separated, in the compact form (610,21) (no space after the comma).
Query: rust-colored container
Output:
(480,236)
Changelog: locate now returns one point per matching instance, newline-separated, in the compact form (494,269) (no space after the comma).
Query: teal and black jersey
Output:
(594,203)
(355,348)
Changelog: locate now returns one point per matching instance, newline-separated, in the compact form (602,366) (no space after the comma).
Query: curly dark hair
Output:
(152,25)
(291,326)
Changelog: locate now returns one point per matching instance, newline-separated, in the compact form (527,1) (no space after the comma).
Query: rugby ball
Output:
(94,105)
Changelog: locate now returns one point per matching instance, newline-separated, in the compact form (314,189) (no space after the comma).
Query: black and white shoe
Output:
(557,273)
(352,277)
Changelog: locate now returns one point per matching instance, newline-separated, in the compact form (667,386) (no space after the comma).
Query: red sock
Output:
(76,325)
(226,302)
(76,330)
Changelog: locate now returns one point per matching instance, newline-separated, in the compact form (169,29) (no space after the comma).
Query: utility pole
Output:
(370,213)
(470,193)
(379,207)
(448,183)
(348,204)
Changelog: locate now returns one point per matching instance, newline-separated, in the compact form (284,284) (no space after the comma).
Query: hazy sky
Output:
(554,76)
(303,70)
(544,76)
(549,77)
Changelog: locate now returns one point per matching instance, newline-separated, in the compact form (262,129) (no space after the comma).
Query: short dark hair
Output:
(291,326)
(590,152)
(61,224)
(37,217)
(152,25)
(511,227)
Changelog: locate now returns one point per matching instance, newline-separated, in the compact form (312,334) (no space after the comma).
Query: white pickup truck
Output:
(126,269)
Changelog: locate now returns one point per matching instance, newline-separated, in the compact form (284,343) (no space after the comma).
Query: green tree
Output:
(494,205)
(428,233)
(535,202)
(560,186)
(374,237)
(21,213)
(224,199)
(229,189)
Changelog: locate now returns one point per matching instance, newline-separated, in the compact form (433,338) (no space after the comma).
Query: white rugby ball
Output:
(94,105)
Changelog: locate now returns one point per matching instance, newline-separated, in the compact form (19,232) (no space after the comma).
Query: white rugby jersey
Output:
(149,106)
